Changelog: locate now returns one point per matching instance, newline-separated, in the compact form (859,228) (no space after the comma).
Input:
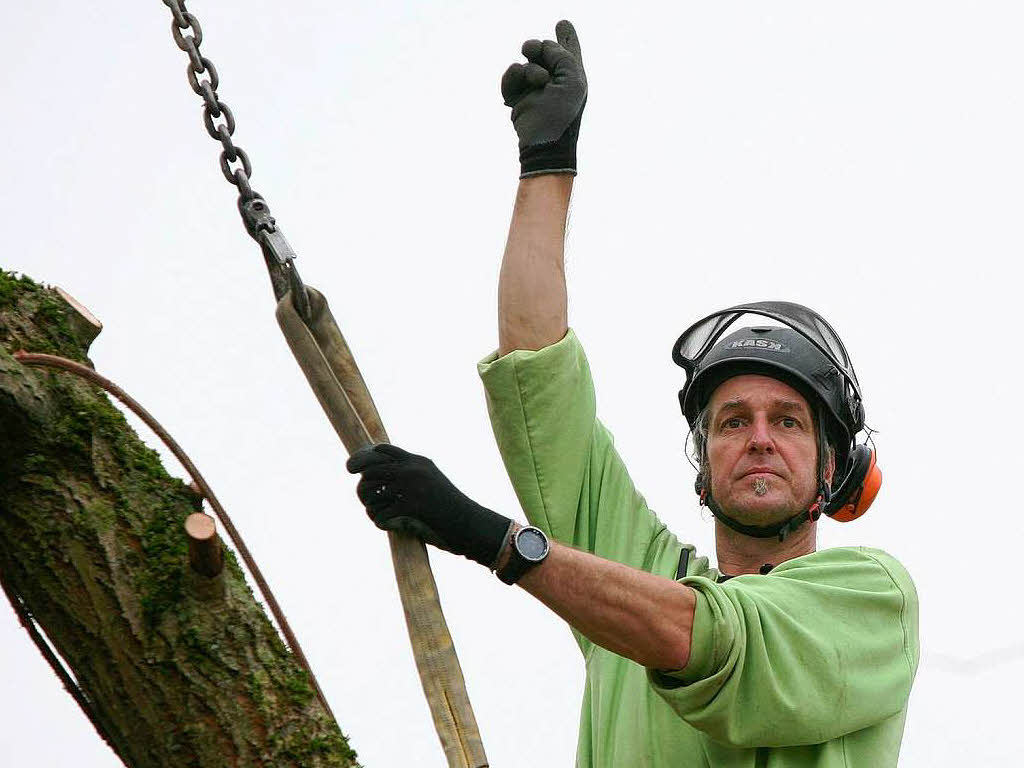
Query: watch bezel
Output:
(543,537)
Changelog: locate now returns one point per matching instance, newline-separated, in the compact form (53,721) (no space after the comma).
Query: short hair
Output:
(699,435)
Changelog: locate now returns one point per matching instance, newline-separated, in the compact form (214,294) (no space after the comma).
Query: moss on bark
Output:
(181,670)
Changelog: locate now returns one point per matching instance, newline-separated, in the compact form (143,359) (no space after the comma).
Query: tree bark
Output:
(177,668)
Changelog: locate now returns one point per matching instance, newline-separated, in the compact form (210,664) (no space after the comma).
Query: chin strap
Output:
(782,530)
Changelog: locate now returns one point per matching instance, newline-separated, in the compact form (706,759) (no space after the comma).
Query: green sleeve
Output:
(562,461)
(824,645)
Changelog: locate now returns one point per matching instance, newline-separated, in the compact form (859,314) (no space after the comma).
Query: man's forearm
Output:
(635,614)
(532,303)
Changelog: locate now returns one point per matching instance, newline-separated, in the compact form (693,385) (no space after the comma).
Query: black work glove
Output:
(406,492)
(547,96)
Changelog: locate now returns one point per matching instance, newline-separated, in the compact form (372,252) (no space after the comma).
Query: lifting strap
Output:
(325,359)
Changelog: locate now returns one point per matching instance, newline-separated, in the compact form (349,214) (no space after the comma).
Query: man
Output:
(783,656)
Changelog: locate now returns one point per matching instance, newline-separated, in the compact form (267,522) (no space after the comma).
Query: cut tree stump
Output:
(93,545)
(204,549)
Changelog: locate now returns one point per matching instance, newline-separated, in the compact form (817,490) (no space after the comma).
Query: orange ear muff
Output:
(853,498)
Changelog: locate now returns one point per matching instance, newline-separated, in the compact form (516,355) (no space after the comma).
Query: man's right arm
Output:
(532,303)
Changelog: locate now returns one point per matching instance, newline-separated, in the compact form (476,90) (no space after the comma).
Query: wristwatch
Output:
(529,548)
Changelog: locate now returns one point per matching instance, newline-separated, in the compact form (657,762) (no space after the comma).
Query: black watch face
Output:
(531,544)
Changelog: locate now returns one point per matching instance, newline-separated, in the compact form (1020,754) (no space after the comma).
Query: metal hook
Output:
(277,253)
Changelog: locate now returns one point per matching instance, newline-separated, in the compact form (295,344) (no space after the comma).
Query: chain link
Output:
(184,20)
(208,68)
(211,112)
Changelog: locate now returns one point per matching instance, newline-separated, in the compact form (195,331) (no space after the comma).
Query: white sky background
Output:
(864,159)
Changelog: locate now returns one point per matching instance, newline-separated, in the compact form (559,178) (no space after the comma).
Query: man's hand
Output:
(405,492)
(547,96)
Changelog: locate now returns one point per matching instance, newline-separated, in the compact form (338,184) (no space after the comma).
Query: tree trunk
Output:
(176,668)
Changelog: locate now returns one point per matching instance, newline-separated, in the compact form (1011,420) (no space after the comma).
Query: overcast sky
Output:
(862,158)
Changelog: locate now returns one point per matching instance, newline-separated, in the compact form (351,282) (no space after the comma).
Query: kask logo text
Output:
(768,344)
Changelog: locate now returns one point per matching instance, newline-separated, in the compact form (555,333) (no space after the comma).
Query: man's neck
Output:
(739,554)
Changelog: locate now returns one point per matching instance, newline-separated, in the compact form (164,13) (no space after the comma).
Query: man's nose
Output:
(760,437)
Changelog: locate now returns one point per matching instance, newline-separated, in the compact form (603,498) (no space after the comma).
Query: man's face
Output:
(762,448)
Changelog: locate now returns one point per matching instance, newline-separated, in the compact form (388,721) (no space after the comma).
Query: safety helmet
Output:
(809,356)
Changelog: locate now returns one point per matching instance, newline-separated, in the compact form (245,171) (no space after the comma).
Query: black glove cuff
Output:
(552,157)
(483,536)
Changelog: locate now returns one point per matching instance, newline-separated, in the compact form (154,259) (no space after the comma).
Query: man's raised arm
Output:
(532,300)
(561,460)
(547,96)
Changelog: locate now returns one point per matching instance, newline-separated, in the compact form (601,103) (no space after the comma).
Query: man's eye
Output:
(734,423)
(789,422)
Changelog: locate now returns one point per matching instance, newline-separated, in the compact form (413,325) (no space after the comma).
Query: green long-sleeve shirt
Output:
(810,665)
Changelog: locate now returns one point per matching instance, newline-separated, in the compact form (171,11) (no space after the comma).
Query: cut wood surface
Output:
(93,544)
(204,548)
(84,323)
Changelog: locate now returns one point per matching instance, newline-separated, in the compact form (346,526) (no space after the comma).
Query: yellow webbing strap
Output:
(324,357)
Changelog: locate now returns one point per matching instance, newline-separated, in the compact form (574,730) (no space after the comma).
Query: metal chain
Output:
(217,117)
(234,162)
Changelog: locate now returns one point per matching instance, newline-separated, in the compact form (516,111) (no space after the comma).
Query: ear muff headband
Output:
(859,488)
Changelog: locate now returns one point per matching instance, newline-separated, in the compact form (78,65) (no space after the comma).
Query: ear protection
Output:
(858,489)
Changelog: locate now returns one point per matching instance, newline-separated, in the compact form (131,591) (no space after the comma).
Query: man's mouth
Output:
(759,471)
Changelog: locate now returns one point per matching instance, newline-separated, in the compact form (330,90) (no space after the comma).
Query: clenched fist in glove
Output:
(405,492)
(547,96)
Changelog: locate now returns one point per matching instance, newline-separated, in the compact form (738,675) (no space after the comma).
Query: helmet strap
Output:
(780,530)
